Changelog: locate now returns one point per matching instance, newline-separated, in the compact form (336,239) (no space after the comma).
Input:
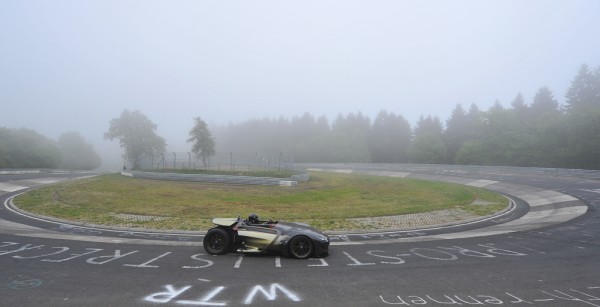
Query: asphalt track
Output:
(545,251)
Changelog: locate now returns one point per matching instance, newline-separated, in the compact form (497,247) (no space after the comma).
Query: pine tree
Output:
(456,133)
(203,143)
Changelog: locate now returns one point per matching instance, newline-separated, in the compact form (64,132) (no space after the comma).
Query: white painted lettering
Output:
(567,297)
(544,300)
(62,250)
(417,300)
(73,256)
(20,249)
(518,300)
(323,262)
(450,301)
(416,234)
(356,262)
(426,253)
(400,301)
(8,244)
(271,295)
(165,297)
(109,258)
(593,298)
(555,296)
(238,263)
(205,301)
(472,301)
(398,260)
(490,300)
(146,264)
(468,252)
(197,257)
(498,251)
(277,262)
(527,248)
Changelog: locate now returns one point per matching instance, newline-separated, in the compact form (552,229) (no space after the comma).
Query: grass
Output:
(326,201)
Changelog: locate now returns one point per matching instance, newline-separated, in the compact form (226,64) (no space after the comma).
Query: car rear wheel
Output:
(217,241)
(301,247)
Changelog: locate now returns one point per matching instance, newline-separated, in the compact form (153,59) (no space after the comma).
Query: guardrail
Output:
(458,170)
(8,171)
(227,179)
(409,168)
(16,172)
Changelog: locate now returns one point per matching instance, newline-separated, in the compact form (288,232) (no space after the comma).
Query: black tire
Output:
(217,241)
(301,247)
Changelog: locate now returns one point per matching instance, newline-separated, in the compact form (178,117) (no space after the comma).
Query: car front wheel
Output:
(217,241)
(301,247)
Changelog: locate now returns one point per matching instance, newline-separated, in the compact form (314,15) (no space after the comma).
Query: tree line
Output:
(137,136)
(540,133)
(25,148)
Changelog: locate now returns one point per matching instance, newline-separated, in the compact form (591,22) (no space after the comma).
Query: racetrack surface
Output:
(546,254)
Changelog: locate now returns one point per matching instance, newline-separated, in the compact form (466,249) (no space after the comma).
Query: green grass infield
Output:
(328,201)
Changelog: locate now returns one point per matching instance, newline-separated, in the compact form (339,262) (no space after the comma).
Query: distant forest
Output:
(25,148)
(540,133)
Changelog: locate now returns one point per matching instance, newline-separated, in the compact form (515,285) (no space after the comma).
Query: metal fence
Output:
(242,180)
(222,162)
(460,170)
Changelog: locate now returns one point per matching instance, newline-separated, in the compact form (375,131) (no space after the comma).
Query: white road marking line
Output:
(8,187)
(481,183)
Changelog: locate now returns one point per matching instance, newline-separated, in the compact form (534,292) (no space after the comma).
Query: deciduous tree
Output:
(137,136)
(25,148)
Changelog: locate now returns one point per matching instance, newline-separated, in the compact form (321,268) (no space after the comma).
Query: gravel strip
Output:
(415,220)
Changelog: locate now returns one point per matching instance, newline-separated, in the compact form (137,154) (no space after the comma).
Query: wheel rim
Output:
(301,247)
(217,241)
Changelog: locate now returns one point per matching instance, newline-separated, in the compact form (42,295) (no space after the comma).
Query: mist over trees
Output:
(541,133)
(76,153)
(25,148)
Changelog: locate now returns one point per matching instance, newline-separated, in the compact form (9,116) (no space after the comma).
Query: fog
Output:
(75,65)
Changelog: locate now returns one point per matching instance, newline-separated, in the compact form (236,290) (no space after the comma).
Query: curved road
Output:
(545,252)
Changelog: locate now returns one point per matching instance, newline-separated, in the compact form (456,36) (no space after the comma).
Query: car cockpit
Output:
(253,220)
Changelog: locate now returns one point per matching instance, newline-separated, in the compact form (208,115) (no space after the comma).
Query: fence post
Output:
(279,165)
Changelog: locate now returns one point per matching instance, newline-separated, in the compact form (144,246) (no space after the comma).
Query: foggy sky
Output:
(75,65)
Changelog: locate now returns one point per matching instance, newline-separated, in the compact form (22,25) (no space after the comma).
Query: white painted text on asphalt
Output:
(127,258)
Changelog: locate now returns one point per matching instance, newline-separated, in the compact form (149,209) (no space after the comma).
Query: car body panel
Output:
(271,237)
(257,238)
(225,221)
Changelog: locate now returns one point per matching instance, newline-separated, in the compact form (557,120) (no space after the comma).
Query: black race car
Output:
(252,235)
